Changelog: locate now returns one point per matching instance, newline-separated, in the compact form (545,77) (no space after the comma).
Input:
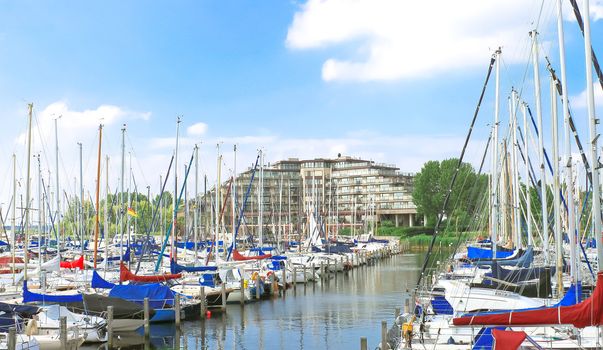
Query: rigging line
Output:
(451,186)
(581,24)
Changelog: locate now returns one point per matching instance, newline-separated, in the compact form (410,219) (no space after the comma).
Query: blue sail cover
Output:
(486,253)
(441,306)
(29,297)
(523,261)
(99,282)
(159,295)
(484,339)
(176,268)
(572,296)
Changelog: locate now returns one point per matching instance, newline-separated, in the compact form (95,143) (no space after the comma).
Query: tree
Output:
(431,185)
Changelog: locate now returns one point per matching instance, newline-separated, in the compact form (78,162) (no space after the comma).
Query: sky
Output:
(388,80)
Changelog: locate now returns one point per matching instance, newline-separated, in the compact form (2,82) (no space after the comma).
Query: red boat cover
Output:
(508,340)
(240,257)
(587,313)
(6,264)
(127,275)
(75,264)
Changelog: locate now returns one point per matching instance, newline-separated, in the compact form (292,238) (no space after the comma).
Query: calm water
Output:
(332,315)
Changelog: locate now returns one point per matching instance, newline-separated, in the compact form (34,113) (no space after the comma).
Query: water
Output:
(331,315)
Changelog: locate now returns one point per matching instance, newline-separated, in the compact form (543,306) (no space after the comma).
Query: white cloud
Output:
(595,6)
(394,39)
(579,101)
(197,129)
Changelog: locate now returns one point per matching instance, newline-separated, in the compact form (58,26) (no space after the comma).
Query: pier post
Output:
(147,318)
(63,331)
(274,285)
(328,271)
(322,271)
(342,265)
(242,291)
(257,286)
(177,309)
(407,305)
(294,278)
(363,343)
(305,277)
(12,338)
(347,262)
(110,326)
(284,280)
(223,290)
(397,313)
(202,300)
(384,345)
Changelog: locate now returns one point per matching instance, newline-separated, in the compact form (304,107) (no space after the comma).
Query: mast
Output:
(27,191)
(98,170)
(106,221)
(217,198)
(495,216)
(543,186)
(261,201)
(234,190)
(174,250)
(196,212)
(526,143)
(280,210)
(58,211)
(121,196)
(594,156)
(81,218)
(515,168)
(39,214)
(556,188)
(568,148)
(14,216)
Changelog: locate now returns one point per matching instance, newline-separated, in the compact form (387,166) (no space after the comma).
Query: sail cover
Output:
(46,298)
(159,295)
(75,264)
(127,275)
(584,314)
(508,340)
(240,257)
(99,282)
(176,268)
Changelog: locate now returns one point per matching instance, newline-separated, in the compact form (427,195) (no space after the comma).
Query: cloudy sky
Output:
(390,80)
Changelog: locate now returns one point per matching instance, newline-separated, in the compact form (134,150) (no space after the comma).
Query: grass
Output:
(444,238)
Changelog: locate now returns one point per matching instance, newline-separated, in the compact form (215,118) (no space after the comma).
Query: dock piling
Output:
(63,331)
(202,301)
(384,345)
(363,343)
(147,318)
(258,282)
(242,298)
(223,291)
(177,309)
(294,278)
(12,338)
(110,326)
(284,280)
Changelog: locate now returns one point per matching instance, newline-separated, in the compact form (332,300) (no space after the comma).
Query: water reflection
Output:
(333,314)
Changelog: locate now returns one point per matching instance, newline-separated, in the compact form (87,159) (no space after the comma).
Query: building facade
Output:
(347,193)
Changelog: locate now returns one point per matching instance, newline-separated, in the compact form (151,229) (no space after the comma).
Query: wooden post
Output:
(294,278)
(305,277)
(274,285)
(223,290)
(384,345)
(397,313)
(177,309)
(407,306)
(147,318)
(322,271)
(12,338)
(242,291)
(63,331)
(284,280)
(257,286)
(202,301)
(363,343)
(110,325)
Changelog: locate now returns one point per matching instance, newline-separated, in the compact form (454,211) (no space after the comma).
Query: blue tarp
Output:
(523,261)
(572,296)
(484,339)
(29,297)
(207,280)
(441,306)
(158,294)
(99,282)
(176,268)
(483,253)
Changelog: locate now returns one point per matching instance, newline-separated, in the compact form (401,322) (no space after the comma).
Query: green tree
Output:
(431,185)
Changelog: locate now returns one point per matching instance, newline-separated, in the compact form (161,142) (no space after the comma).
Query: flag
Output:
(131,212)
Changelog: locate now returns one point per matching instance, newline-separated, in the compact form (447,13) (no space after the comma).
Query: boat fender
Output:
(245,283)
(31,328)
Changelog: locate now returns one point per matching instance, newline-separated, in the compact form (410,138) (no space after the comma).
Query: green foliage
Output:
(431,185)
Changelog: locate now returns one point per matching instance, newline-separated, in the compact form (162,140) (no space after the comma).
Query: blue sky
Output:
(392,81)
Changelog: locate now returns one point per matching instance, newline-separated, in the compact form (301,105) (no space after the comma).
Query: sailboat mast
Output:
(590,98)
(121,195)
(196,212)
(96,203)
(556,188)
(27,191)
(58,196)
(106,221)
(81,207)
(495,216)
(526,143)
(515,168)
(234,191)
(261,201)
(174,249)
(543,186)
(568,148)
(39,214)
(14,216)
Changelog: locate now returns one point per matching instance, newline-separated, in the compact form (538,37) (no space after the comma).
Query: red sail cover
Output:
(127,275)
(240,257)
(75,264)
(508,340)
(587,313)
